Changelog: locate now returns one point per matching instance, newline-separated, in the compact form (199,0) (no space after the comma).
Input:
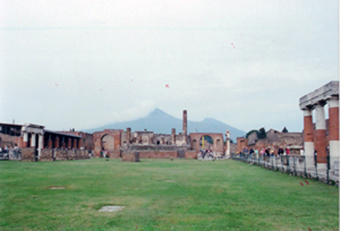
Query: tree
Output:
(284,130)
(262,134)
(251,132)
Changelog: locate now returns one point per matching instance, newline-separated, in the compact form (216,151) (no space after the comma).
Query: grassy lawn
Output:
(161,195)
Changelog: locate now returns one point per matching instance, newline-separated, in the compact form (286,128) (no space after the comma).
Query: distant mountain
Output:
(159,121)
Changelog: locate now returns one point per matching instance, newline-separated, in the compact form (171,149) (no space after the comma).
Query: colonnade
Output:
(315,139)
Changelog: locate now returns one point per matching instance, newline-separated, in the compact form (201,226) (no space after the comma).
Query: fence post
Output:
(294,159)
(288,164)
(328,167)
(305,167)
(316,168)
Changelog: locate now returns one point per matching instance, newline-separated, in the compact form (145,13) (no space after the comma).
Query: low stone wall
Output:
(27,154)
(63,154)
(190,155)
(159,154)
(130,156)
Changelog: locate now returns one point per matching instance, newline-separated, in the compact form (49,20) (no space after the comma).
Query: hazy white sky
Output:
(82,64)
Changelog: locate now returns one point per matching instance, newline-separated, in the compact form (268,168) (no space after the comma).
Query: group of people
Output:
(12,152)
(105,154)
(265,151)
(208,154)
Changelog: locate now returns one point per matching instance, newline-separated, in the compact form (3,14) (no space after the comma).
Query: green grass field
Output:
(161,195)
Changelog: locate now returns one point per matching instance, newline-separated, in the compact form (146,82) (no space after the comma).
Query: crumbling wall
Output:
(7,140)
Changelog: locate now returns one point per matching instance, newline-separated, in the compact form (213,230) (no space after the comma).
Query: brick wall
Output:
(160,154)
(130,156)
(190,155)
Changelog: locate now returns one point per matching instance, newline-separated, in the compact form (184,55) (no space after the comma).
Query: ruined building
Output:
(38,143)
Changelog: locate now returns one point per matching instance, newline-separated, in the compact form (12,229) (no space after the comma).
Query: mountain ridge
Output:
(161,122)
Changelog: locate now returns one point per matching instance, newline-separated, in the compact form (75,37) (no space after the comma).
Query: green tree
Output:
(284,130)
(262,133)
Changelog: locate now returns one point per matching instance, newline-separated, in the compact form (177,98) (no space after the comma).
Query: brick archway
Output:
(217,138)
(111,138)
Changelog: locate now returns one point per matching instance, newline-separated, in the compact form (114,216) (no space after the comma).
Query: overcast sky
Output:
(83,64)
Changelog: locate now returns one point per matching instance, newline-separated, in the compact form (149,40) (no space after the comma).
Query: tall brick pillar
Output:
(69,142)
(128,135)
(173,135)
(333,123)
(49,143)
(63,144)
(56,142)
(80,143)
(320,139)
(185,124)
(308,138)
(74,143)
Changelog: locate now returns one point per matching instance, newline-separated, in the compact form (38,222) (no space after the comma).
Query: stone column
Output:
(320,140)
(40,144)
(173,135)
(333,136)
(308,138)
(227,152)
(32,140)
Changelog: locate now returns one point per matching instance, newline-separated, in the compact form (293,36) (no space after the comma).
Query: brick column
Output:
(49,143)
(320,139)
(74,143)
(333,107)
(185,124)
(69,142)
(173,135)
(80,143)
(56,142)
(308,136)
(128,135)
(63,144)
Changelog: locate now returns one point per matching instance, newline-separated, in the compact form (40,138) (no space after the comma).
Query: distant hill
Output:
(159,121)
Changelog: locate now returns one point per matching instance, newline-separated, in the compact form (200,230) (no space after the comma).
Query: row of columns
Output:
(317,140)
(71,143)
